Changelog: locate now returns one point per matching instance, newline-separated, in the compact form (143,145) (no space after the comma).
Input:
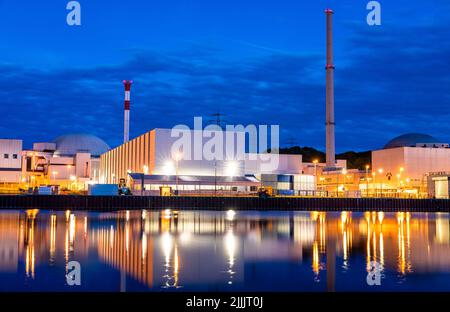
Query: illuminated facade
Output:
(151,154)
(10,164)
(70,161)
(439,185)
(407,168)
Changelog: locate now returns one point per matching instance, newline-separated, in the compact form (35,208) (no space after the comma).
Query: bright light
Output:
(185,237)
(315,161)
(73,178)
(231,168)
(230,247)
(344,171)
(145,169)
(380,171)
(178,156)
(169,168)
(167,213)
(167,245)
(402,169)
(367,167)
(230,215)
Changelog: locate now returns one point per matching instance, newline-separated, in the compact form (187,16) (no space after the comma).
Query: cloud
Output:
(394,80)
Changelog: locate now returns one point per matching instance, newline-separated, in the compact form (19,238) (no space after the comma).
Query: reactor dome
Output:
(71,144)
(410,139)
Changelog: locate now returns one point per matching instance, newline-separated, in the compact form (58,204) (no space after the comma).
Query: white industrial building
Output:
(10,162)
(158,158)
(70,161)
(406,161)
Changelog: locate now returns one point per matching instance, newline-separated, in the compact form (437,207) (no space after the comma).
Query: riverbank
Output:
(114,203)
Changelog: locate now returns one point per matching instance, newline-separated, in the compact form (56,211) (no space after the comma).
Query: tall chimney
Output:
(126,125)
(330,142)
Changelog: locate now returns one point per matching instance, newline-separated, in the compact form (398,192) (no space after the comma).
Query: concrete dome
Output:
(410,139)
(71,144)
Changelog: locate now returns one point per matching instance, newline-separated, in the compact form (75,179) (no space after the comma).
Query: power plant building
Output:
(70,162)
(151,161)
(406,161)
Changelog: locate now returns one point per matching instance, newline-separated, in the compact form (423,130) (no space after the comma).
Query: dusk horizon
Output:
(187,60)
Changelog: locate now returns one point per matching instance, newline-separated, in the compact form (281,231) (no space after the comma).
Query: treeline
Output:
(355,160)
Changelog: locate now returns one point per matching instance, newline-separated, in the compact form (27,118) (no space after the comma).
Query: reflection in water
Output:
(171,249)
(29,243)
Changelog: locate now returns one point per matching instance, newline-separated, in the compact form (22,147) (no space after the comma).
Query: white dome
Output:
(80,143)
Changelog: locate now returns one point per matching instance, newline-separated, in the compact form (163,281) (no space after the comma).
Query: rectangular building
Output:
(408,167)
(152,153)
(155,156)
(439,185)
(10,161)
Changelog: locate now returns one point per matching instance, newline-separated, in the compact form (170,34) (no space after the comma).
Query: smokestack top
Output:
(329,11)
(127,84)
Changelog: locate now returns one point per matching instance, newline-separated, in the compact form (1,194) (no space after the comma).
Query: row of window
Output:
(6,156)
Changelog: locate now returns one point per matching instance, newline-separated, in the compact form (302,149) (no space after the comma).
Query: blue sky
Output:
(257,61)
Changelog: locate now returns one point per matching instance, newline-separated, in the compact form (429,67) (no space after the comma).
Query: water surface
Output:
(224,251)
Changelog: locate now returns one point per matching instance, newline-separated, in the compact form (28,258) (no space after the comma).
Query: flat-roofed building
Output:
(439,185)
(159,153)
(10,164)
(406,161)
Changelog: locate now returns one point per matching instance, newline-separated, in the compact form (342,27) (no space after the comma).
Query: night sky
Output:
(257,61)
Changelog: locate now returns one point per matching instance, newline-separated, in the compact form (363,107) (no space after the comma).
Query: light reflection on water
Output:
(219,251)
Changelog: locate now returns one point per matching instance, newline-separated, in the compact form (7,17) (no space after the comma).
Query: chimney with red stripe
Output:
(126,129)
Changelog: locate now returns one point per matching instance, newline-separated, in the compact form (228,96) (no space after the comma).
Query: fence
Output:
(113,203)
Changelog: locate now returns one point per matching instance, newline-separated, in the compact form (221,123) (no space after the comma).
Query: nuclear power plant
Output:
(414,165)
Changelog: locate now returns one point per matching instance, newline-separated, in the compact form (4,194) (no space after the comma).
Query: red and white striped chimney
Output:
(126,126)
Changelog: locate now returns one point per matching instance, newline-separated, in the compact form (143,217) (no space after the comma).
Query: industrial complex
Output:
(411,165)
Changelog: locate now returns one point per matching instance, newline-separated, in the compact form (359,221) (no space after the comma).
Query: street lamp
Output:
(367,180)
(373,183)
(73,179)
(54,173)
(380,171)
(315,161)
(178,157)
(344,173)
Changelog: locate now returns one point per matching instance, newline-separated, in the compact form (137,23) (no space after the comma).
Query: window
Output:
(6,156)
(14,156)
